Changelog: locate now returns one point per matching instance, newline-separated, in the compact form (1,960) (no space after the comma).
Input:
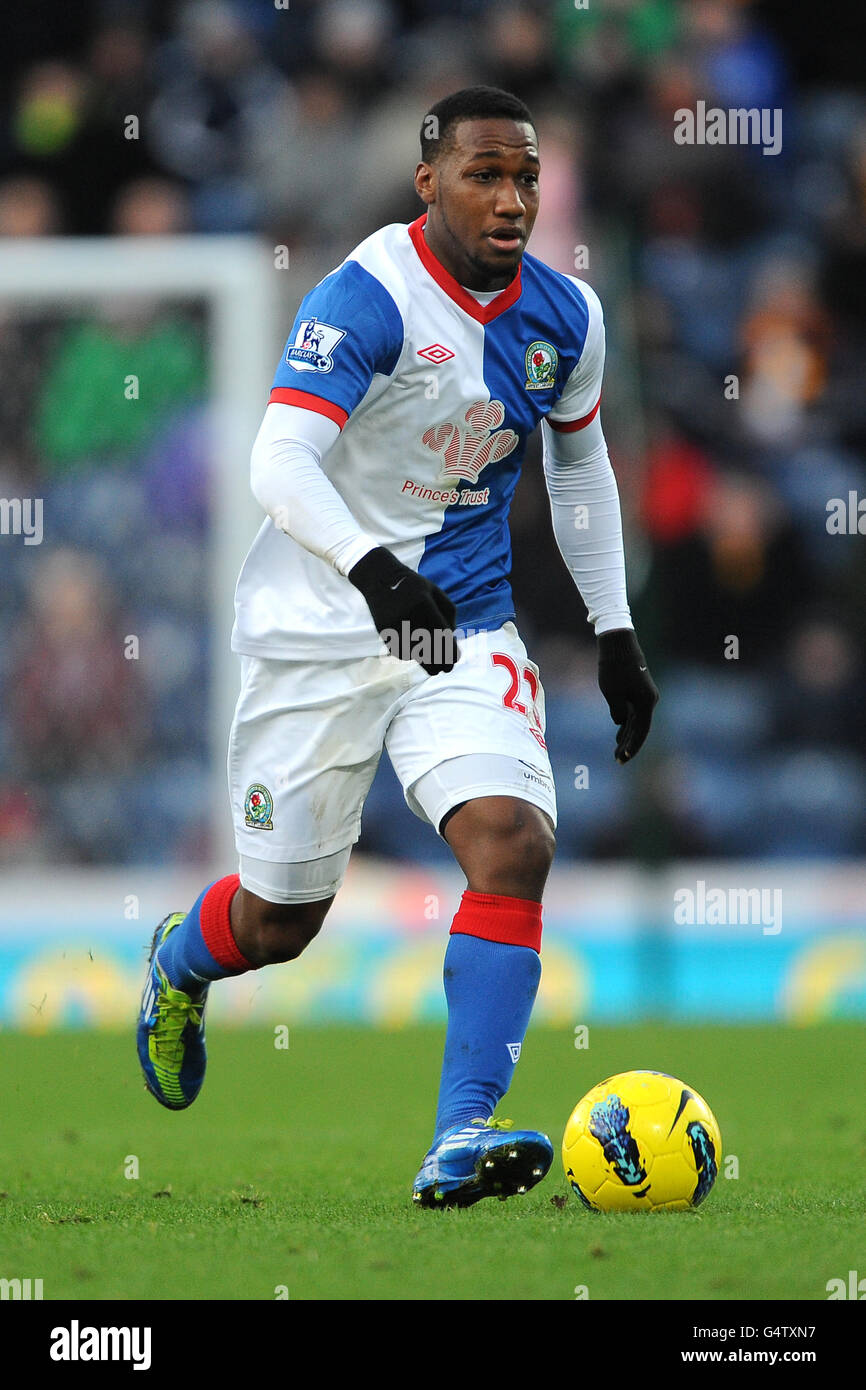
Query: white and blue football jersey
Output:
(435,394)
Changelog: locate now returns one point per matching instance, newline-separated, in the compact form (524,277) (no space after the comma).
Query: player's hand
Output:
(414,618)
(629,689)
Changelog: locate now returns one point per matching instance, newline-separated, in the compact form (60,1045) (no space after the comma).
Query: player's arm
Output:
(587,524)
(288,482)
(347,335)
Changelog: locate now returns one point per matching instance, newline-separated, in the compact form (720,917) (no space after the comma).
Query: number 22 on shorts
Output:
(531,713)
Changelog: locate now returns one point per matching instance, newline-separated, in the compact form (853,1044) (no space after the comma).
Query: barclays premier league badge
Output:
(313,346)
(541,364)
(259,808)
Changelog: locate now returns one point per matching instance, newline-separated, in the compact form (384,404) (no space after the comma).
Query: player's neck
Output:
(449,255)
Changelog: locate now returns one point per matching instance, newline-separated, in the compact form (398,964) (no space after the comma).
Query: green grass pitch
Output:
(293,1171)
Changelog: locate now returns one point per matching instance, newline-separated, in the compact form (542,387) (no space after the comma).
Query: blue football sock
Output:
(186,959)
(490,988)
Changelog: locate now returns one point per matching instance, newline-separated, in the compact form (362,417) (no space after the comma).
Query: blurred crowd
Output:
(735,289)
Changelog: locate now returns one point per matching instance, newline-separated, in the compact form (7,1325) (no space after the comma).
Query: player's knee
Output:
(527,850)
(276,932)
(505,846)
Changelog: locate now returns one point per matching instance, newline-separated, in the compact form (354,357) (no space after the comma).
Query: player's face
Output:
(482,198)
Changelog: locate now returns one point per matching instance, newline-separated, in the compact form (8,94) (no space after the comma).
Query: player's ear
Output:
(426,182)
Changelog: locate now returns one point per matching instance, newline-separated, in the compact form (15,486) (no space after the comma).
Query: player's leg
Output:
(491,972)
(492,965)
(229,930)
(503,844)
(269,933)
(303,749)
(469,749)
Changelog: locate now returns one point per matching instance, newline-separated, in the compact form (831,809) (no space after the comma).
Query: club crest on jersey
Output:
(259,808)
(542,360)
(313,348)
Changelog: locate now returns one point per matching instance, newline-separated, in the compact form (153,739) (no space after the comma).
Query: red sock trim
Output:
(512,921)
(216,926)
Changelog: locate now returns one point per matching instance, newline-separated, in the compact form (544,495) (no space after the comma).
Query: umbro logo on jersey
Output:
(470,444)
(436,353)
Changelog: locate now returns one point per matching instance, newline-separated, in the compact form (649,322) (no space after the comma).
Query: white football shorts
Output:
(307,737)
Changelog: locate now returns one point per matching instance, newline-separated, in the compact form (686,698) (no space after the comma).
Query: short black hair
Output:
(469,104)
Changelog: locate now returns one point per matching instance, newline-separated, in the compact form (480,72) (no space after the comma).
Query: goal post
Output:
(234,279)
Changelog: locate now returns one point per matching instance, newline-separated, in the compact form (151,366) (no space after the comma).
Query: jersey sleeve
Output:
(288,481)
(347,330)
(581,396)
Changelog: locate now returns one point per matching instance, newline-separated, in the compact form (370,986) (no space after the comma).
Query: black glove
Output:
(414,618)
(628,687)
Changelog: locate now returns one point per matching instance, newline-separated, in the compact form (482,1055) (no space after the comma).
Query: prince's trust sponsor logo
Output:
(467,445)
(449,497)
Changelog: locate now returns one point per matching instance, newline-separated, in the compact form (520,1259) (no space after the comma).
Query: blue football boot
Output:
(171,1045)
(485,1158)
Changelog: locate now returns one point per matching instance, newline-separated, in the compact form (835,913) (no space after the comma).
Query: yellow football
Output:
(641,1141)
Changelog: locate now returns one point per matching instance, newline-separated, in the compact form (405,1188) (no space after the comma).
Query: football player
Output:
(374,611)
